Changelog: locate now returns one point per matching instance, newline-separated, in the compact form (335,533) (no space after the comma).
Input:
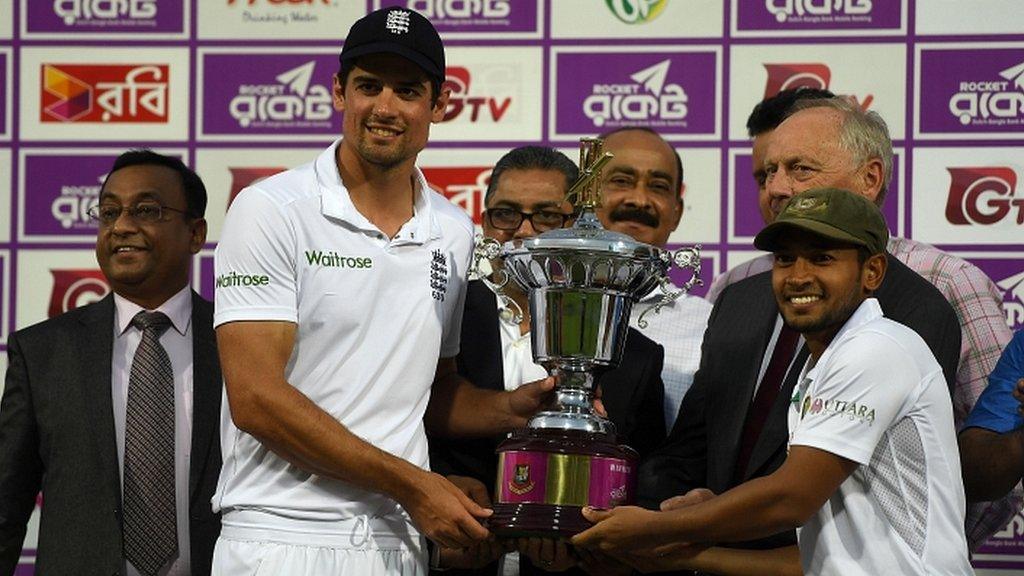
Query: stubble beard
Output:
(831,320)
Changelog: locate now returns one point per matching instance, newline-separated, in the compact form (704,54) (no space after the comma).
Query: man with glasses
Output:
(111,409)
(642,196)
(526,197)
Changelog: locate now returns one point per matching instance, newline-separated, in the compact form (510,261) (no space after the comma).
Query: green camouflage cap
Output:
(835,214)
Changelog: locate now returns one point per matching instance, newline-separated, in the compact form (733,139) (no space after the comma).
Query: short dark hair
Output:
(532,158)
(770,112)
(195,191)
(347,66)
(679,159)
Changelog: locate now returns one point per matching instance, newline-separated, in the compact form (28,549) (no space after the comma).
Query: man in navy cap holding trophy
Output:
(340,325)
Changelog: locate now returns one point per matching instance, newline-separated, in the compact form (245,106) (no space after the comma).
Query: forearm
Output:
(737,562)
(293,427)
(991,463)
(755,509)
(459,409)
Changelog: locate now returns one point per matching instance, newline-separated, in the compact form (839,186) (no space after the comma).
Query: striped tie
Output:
(150,525)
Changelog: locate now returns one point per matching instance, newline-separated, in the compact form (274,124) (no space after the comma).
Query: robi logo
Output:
(457,80)
(983,196)
(809,75)
(464,186)
(75,288)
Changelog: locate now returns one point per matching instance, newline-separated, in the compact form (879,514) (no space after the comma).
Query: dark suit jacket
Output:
(57,435)
(632,393)
(702,447)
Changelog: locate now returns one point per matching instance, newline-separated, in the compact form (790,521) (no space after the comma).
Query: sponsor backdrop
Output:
(240,89)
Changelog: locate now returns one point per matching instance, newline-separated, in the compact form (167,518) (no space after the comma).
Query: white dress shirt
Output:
(177,340)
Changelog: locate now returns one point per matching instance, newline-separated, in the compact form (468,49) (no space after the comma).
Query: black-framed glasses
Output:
(143,212)
(510,220)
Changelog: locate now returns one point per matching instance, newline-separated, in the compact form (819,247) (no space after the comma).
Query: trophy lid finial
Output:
(585,193)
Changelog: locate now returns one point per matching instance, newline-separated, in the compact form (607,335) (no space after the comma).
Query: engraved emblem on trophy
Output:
(581,283)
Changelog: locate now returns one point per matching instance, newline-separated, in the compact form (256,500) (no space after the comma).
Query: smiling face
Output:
(388,111)
(804,152)
(819,283)
(147,263)
(641,196)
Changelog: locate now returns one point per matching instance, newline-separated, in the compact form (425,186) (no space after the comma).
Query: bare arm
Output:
(736,562)
(781,501)
(458,408)
(263,404)
(992,463)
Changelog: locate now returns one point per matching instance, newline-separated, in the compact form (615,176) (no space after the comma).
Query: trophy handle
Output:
(682,258)
(488,249)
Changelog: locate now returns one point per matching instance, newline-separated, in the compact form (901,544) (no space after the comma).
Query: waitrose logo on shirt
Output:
(234,280)
(334,260)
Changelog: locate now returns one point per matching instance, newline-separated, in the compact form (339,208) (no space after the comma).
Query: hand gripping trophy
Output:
(581,283)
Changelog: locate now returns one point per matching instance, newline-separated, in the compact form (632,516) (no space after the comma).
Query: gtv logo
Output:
(983,196)
(805,75)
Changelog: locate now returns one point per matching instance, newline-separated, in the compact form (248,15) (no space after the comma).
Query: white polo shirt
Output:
(373,316)
(877,397)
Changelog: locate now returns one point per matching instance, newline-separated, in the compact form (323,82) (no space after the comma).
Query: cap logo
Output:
(398,22)
(802,206)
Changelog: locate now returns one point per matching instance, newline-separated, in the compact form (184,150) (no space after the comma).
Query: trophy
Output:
(581,283)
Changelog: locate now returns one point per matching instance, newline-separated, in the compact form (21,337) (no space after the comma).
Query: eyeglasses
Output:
(510,220)
(143,213)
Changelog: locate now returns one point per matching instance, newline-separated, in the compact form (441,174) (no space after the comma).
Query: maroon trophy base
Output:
(533,519)
(546,476)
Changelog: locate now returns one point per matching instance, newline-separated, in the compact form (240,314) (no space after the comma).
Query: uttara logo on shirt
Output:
(833,407)
(236,280)
(331,259)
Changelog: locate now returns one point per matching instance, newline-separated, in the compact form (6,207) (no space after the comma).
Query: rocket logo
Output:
(1013,299)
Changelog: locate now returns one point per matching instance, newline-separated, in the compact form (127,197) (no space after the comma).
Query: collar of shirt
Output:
(336,203)
(178,308)
(868,311)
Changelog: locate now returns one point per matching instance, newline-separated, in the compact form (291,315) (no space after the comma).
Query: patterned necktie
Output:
(150,522)
(764,399)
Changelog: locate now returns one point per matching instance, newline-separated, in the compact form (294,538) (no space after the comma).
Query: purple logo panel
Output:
(3,295)
(746,214)
(269,93)
(972,91)
(60,190)
(793,15)
(1008,274)
(105,16)
(203,276)
(4,93)
(486,16)
(1008,543)
(680,277)
(672,92)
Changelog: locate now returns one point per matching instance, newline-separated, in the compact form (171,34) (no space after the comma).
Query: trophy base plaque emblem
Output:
(547,476)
